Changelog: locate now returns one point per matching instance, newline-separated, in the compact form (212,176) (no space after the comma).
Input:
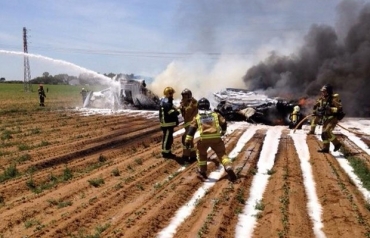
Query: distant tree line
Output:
(65,79)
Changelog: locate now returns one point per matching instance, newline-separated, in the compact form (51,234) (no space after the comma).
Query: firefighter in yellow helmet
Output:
(189,109)
(168,120)
(295,117)
(329,110)
(211,126)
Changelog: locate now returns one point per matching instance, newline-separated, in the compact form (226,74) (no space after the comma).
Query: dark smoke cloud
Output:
(338,57)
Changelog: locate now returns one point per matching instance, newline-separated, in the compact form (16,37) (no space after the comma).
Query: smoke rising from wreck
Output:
(340,57)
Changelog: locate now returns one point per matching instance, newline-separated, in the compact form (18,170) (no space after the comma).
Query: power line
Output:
(148,54)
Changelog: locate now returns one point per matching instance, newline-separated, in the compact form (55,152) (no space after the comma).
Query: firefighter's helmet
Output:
(203,104)
(186,92)
(296,108)
(327,88)
(168,91)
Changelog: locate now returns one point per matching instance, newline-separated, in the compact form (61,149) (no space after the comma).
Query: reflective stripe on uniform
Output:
(202,162)
(168,124)
(209,136)
(163,121)
(165,142)
(189,137)
(332,137)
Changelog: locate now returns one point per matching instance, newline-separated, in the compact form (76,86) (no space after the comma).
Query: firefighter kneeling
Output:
(211,126)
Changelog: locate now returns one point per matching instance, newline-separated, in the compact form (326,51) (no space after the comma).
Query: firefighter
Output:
(315,120)
(211,126)
(328,109)
(168,120)
(189,109)
(83,94)
(295,117)
(42,95)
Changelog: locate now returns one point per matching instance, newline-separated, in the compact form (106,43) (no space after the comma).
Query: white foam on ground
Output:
(186,210)
(313,205)
(247,219)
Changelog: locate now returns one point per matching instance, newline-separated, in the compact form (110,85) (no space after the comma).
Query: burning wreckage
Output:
(254,107)
(233,104)
(126,94)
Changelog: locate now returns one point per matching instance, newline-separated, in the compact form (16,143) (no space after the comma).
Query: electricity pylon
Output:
(27,71)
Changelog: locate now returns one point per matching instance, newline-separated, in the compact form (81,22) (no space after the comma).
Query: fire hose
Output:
(300,123)
(352,131)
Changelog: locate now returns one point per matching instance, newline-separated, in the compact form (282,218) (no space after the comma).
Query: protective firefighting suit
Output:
(168,121)
(295,117)
(328,113)
(211,126)
(315,120)
(189,109)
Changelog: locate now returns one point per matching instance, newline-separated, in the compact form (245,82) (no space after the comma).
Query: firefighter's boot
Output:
(202,168)
(337,147)
(337,144)
(325,148)
(230,172)
(193,156)
(201,174)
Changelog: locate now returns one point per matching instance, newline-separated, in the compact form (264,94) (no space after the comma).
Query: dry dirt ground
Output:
(103,176)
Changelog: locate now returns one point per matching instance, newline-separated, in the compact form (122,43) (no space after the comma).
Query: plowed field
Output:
(68,174)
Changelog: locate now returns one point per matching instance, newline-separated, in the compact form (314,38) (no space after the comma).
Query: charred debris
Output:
(254,107)
(124,94)
(232,103)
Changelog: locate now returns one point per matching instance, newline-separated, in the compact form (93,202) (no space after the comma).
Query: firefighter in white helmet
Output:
(168,120)
(211,126)
(189,109)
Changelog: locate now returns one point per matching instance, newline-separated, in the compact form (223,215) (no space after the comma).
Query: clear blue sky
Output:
(145,36)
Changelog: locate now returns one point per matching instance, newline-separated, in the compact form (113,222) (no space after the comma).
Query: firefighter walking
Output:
(315,119)
(295,117)
(328,110)
(42,95)
(189,109)
(211,126)
(168,121)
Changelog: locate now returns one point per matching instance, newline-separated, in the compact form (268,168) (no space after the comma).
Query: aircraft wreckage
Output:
(126,94)
(133,94)
(258,108)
